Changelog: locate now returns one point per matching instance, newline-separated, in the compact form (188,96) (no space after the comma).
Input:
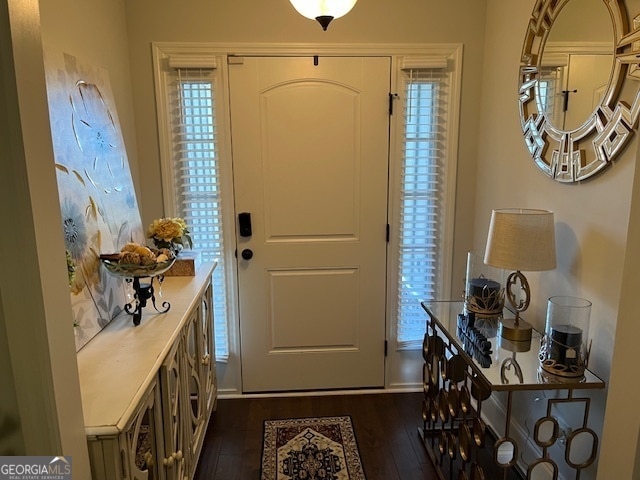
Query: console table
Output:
(148,391)
(463,366)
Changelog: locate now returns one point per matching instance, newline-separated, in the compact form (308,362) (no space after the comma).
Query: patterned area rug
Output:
(322,448)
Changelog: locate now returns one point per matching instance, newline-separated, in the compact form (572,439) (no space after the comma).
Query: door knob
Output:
(247,254)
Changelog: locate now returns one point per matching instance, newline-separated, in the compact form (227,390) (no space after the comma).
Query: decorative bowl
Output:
(130,271)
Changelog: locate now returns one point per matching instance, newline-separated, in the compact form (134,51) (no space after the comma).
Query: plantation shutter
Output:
(196,180)
(425,110)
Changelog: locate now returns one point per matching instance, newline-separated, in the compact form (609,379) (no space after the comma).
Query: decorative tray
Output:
(118,269)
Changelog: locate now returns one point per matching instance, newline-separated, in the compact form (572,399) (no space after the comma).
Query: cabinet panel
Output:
(195,402)
(208,372)
(134,454)
(106,460)
(173,395)
(142,441)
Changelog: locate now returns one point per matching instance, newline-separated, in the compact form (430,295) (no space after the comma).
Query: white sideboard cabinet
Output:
(148,391)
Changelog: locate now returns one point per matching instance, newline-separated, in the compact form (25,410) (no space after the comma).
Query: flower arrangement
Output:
(172,233)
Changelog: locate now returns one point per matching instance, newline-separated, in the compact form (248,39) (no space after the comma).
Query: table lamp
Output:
(520,240)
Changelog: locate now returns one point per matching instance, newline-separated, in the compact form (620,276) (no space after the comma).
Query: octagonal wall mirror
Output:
(579,96)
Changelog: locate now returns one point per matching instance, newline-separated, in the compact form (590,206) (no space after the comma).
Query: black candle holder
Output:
(143,290)
(142,293)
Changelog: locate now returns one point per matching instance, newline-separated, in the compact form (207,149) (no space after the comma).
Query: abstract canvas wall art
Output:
(97,197)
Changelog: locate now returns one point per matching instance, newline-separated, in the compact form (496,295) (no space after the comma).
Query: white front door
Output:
(310,156)
(587,83)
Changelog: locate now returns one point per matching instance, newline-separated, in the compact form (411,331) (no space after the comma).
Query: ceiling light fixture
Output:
(324,11)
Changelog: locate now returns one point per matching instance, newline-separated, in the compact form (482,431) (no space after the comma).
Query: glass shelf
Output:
(443,317)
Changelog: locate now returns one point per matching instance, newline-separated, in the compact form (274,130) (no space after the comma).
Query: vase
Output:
(564,349)
(176,248)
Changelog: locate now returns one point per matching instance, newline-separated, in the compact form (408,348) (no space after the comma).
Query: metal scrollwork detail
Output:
(506,365)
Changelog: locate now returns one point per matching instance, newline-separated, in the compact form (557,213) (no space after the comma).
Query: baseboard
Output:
(317,393)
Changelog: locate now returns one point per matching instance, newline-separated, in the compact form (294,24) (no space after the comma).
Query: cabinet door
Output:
(208,360)
(173,392)
(107,456)
(137,453)
(142,441)
(195,403)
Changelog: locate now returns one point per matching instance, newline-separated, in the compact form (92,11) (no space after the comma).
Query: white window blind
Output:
(425,113)
(197,182)
(550,98)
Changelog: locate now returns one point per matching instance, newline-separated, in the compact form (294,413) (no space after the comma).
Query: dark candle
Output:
(484,296)
(565,345)
(483,287)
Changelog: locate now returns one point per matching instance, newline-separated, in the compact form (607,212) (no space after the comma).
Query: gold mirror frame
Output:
(573,155)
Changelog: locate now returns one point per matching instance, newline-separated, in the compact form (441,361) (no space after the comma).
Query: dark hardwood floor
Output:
(386,427)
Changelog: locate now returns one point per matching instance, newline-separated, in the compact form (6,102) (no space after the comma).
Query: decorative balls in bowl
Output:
(135,260)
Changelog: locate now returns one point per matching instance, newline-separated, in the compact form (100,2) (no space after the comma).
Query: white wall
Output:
(34,288)
(591,218)
(11,437)
(42,394)
(620,452)
(96,34)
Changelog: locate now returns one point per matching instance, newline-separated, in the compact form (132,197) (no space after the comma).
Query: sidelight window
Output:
(192,181)
(424,203)
(550,88)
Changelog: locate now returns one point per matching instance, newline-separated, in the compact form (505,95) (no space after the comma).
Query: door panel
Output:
(587,81)
(325,327)
(314,176)
(310,153)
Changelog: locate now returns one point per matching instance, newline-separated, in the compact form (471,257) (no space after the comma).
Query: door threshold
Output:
(318,393)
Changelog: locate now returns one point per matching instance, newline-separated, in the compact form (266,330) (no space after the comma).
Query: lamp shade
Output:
(521,239)
(323,8)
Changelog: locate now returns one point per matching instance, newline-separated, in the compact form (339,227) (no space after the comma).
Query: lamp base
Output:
(511,346)
(515,332)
